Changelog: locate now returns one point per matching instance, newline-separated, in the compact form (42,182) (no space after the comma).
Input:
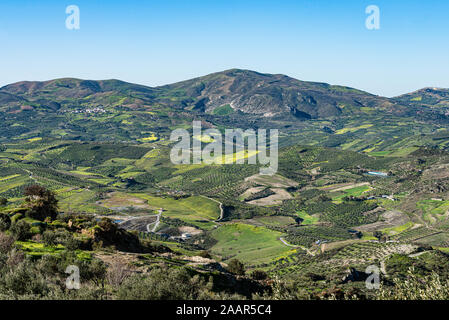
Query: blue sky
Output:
(163,41)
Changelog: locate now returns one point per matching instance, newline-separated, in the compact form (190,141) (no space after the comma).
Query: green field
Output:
(434,210)
(197,210)
(252,245)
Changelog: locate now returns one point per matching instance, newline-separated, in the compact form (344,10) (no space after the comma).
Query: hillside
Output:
(362,180)
(265,95)
(271,95)
(431,97)
(313,113)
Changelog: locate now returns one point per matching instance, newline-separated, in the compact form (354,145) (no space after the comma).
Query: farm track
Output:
(156,224)
(299,247)
(221,207)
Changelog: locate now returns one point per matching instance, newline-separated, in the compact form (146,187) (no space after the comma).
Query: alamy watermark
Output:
(240,146)
(372,22)
(373,280)
(73,281)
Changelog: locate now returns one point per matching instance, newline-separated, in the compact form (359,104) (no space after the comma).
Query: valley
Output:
(362,180)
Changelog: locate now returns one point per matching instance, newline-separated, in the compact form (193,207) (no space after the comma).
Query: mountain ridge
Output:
(218,72)
(247,91)
(231,97)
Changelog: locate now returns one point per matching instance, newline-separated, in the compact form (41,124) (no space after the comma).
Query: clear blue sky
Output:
(162,41)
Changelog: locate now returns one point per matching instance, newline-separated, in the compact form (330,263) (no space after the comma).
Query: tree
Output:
(6,243)
(41,203)
(416,287)
(323,198)
(3,202)
(236,267)
(50,238)
(259,275)
(5,222)
(377,234)
(21,230)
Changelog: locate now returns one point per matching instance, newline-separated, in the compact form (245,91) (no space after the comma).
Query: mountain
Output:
(69,93)
(431,97)
(269,95)
(250,92)
(114,110)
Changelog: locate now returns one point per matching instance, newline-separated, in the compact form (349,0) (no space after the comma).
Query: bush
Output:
(15,257)
(5,222)
(94,271)
(259,275)
(6,243)
(24,280)
(117,273)
(165,284)
(50,238)
(416,287)
(21,230)
(205,254)
(71,243)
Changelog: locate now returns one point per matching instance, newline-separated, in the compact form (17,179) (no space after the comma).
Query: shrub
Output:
(117,273)
(24,280)
(95,271)
(50,238)
(259,275)
(236,267)
(5,222)
(416,287)
(165,284)
(205,254)
(6,243)
(21,230)
(71,243)
(15,257)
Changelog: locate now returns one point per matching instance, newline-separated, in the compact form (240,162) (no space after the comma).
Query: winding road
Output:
(156,223)
(299,247)
(221,207)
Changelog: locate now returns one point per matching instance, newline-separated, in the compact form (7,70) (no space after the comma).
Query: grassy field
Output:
(80,200)
(434,210)
(276,220)
(308,219)
(197,210)
(355,192)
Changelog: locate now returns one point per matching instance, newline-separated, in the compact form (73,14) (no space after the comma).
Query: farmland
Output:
(120,197)
(252,245)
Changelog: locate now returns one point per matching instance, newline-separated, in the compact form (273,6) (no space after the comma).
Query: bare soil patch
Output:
(277,198)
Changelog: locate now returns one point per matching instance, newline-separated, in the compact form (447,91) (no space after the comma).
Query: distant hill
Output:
(434,97)
(268,95)
(250,92)
(115,110)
